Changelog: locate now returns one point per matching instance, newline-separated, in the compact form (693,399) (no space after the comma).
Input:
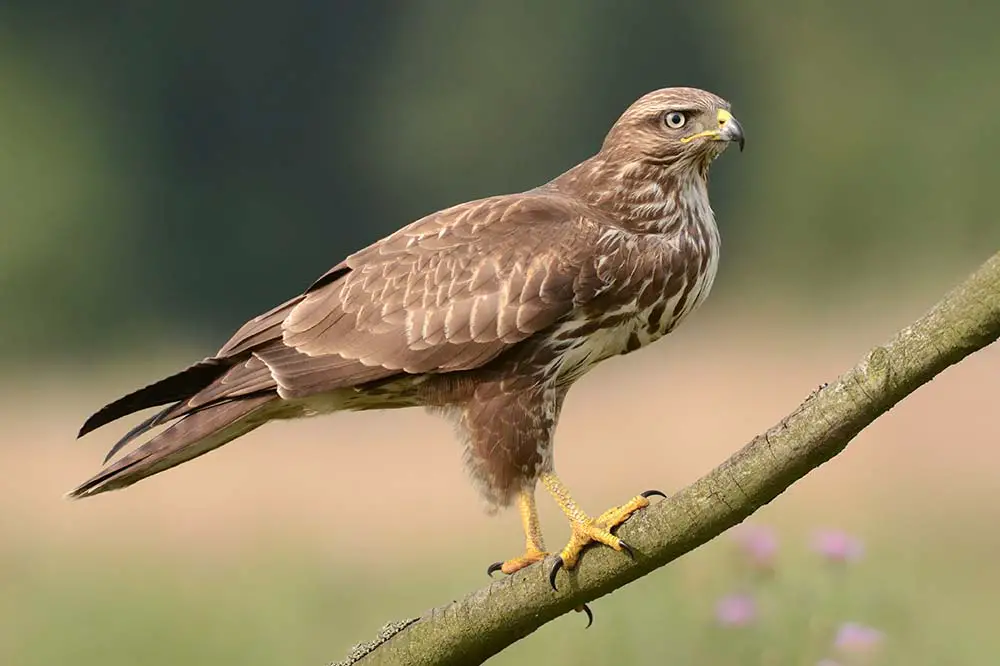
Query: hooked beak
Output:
(730,128)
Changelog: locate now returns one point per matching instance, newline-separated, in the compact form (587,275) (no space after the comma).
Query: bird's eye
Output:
(674,119)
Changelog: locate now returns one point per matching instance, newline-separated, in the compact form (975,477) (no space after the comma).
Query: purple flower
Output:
(736,610)
(758,543)
(857,638)
(827,662)
(837,546)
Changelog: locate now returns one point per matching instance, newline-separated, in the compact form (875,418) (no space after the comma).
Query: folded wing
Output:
(449,292)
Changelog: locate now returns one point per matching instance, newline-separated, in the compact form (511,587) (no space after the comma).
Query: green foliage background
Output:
(191,164)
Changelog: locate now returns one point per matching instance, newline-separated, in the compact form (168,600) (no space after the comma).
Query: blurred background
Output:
(169,169)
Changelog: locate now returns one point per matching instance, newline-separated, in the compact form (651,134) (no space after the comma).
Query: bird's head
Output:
(653,166)
(674,129)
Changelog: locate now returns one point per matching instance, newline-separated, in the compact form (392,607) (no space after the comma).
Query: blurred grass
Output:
(272,606)
(302,539)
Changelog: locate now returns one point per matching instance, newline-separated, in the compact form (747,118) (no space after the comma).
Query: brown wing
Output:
(449,292)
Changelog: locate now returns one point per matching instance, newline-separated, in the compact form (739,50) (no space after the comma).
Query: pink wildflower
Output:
(736,610)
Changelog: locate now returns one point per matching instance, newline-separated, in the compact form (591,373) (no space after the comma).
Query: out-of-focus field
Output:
(292,544)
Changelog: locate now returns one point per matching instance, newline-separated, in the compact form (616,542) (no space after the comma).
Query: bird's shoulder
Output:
(523,220)
(495,268)
(468,280)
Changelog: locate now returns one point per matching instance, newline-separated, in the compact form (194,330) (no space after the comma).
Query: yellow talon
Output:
(615,516)
(517,563)
(587,530)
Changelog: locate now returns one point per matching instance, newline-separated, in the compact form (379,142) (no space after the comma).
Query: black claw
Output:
(627,549)
(590,616)
(652,493)
(552,574)
(493,568)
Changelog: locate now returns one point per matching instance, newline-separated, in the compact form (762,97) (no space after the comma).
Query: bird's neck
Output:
(646,198)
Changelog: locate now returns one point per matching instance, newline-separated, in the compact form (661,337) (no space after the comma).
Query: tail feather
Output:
(140,429)
(194,435)
(175,388)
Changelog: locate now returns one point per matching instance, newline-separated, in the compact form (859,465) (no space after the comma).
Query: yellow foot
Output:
(588,530)
(530,556)
(534,548)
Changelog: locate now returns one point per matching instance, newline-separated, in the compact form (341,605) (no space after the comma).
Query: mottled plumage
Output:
(487,311)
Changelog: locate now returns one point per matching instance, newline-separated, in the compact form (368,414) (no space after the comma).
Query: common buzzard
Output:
(486,312)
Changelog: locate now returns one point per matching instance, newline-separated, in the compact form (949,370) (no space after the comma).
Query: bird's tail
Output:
(175,388)
(193,435)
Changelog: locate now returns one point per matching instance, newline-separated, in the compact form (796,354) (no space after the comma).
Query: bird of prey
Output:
(486,312)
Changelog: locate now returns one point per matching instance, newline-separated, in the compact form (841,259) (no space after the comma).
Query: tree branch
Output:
(470,630)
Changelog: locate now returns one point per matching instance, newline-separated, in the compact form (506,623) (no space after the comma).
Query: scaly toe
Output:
(517,563)
(596,532)
(614,517)
(585,534)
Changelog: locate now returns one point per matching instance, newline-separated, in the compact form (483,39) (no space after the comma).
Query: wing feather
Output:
(448,293)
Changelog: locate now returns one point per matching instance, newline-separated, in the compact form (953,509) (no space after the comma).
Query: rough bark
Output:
(470,630)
